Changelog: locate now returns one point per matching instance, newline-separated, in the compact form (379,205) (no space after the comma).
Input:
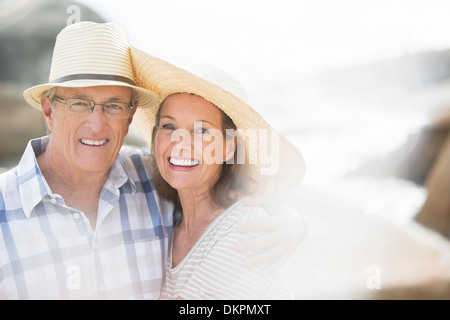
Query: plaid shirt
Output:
(49,251)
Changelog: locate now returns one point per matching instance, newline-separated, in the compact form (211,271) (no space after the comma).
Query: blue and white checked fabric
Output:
(49,250)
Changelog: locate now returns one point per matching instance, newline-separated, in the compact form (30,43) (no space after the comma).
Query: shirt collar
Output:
(33,187)
(119,178)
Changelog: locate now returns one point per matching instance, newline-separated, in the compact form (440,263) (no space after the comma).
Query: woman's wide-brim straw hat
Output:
(274,161)
(88,54)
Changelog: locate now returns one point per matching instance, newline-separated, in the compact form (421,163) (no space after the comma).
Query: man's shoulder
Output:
(9,189)
(6,177)
(129,151)
(136,163)
(132,155)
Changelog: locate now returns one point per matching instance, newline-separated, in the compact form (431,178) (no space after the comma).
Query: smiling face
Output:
(189,142)
(86,142)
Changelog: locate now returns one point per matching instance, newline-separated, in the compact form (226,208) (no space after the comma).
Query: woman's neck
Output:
(199,212)
(198,209)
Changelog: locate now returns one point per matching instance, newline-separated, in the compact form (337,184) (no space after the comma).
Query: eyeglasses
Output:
(84,107)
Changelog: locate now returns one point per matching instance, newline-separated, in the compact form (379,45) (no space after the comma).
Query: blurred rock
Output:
(435,212)
(418,163)
(418,81)
(425,160)
(18,123)
(28,31)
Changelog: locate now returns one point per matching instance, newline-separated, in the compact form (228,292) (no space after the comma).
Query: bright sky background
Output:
(294,34)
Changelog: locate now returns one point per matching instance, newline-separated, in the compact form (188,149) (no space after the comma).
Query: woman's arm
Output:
(285,228)
(224,274)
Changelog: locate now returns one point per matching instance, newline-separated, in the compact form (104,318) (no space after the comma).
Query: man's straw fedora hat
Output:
(224,91)
(91,54)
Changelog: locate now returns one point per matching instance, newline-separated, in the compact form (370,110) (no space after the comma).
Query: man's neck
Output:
(79,189)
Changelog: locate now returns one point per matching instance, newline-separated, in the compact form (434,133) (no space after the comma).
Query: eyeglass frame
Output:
(93,104)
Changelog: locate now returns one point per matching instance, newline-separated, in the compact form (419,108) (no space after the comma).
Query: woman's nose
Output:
(182,143)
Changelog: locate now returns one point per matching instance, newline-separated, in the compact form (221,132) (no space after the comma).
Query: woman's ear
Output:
(46,106)
(231,145)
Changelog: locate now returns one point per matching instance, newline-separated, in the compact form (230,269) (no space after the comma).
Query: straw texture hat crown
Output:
(224,91)
(91,54)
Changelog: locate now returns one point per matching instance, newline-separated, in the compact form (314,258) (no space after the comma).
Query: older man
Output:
(79,218)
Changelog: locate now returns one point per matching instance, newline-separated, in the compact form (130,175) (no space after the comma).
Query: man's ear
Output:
(46,106)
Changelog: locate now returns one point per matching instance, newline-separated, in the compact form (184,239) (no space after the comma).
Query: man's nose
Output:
(96,117)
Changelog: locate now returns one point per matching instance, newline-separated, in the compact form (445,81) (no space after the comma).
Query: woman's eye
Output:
(168,127)
(201,131)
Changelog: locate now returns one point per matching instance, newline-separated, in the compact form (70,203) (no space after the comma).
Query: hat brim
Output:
(165,79)
(146,98)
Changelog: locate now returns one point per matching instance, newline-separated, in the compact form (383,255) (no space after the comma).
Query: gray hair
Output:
(50,93)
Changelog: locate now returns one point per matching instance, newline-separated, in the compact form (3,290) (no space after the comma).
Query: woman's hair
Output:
(233,181)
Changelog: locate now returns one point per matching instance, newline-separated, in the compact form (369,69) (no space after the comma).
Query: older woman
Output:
(210,151)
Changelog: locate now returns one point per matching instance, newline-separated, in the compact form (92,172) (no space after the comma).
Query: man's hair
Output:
(50,93)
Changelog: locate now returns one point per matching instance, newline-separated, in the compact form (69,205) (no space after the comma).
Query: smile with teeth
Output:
(93,142)
(183,162)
